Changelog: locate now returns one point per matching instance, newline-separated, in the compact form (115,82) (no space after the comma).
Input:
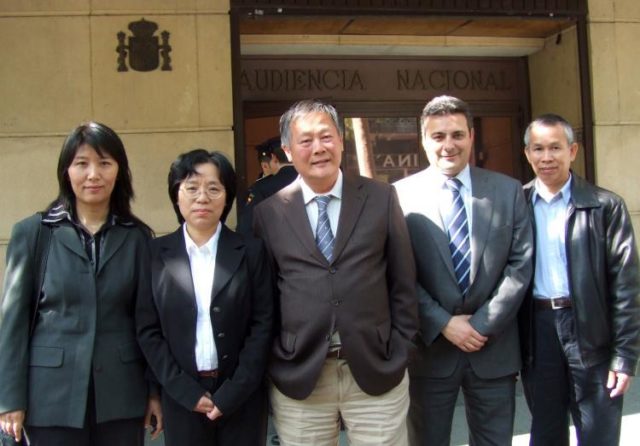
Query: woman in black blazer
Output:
(73,374)
(205,328)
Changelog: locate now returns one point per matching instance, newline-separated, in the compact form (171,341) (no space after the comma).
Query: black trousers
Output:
(489,406)
(247,426)
(558,384)
(126,432)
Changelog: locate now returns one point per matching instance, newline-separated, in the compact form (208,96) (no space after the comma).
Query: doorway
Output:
(385,144)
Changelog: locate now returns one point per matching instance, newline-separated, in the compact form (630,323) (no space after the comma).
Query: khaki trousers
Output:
(315,421)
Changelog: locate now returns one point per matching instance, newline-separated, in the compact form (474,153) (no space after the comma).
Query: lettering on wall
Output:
(301,80)
(270,78)
(451,79)
(144,49)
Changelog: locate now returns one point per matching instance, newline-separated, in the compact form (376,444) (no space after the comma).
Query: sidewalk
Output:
(630,422)
(459,436)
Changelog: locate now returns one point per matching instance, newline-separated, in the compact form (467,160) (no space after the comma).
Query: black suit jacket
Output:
(241,314)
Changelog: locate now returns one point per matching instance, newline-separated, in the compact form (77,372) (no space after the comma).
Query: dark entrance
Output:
(380,101)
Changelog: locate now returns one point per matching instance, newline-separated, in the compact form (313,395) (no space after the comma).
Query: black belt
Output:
(555,303)
(208,373)
(336,354)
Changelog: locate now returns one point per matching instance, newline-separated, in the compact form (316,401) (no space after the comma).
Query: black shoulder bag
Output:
(43,241)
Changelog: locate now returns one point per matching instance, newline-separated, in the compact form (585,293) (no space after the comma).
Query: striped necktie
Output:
(324,236)
(458,230)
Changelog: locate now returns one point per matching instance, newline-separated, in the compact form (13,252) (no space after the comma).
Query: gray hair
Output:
(550,120)
(446,105)
(303,108)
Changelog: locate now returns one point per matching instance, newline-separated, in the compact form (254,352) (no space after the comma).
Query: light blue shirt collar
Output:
(308,194)
(539,192)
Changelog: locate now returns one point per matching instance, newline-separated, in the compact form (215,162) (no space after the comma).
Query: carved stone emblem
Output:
(144,49)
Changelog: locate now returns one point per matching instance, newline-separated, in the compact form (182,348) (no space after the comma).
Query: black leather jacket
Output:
(603,279)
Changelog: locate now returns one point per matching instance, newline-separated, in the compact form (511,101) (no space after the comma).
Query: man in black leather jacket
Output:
(580,323)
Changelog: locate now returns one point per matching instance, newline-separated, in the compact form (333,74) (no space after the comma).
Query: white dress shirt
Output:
(333,208)
(203,262)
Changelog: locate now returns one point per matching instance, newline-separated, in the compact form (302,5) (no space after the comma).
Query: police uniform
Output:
(261,190)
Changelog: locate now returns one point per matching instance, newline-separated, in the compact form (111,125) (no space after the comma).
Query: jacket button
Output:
(336,302)
(333,270)
(225,356)
(221,335)
(216,309)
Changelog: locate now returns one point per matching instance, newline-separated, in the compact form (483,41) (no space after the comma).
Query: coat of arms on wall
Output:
(144,49)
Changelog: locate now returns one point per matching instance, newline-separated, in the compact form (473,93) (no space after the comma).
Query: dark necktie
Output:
(324,236)
(458,230)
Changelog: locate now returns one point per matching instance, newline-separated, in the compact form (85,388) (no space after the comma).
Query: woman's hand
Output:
(205,404)
(215,413)
(154,411)
(11,423)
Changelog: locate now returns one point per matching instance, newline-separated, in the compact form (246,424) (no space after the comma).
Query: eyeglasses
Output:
(192,191)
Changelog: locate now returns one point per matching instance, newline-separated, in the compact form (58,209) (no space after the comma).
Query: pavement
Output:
(459,436)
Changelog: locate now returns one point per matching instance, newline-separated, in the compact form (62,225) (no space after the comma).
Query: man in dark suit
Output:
(282,174)
(346,293)
(581,321)
(472,242)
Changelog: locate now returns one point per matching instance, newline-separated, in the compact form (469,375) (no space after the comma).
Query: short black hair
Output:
(185,166)
(446,105)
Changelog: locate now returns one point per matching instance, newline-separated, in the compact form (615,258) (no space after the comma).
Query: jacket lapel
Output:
(353,199)
(482,199)
(431,210)
(295,214)
(115,237)
(228,257)
(68,236)
(176,260)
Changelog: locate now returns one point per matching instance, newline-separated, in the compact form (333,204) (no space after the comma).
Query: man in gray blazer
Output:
(472,242)
(345,293)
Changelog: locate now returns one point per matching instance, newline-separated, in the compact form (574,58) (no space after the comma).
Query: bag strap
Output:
(43,241)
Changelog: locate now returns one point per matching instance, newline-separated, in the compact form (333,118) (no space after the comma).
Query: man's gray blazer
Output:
(501,269)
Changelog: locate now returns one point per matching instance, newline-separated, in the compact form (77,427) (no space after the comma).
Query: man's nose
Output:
(547,155)
(448,142)
(317,145)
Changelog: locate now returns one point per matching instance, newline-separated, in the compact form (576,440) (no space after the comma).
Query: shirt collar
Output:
(210,245)
(540,192)
(59,213)
(440,179)
(309,195)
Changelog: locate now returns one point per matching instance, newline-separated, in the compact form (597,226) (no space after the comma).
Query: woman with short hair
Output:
(206,327)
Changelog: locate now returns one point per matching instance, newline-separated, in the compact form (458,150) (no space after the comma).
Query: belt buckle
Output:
(555,304)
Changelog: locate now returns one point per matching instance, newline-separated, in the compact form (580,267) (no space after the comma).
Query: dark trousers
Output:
(489,406)
(127,432)
(247,426)
(558,384)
